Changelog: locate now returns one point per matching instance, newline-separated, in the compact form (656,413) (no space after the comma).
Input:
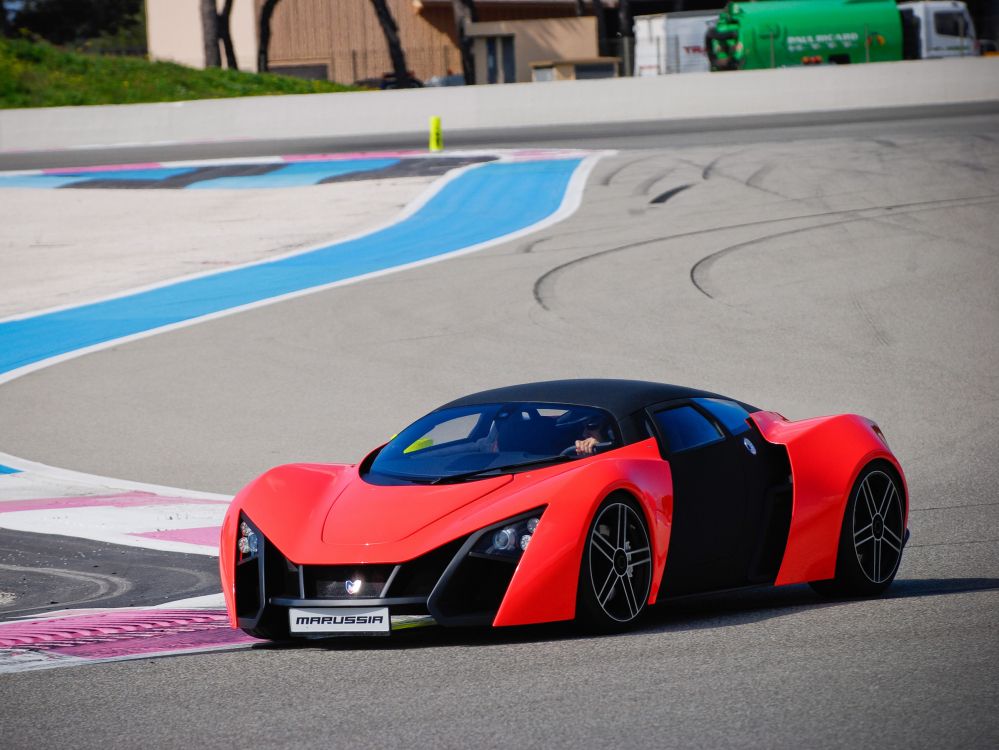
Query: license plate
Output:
(337,620)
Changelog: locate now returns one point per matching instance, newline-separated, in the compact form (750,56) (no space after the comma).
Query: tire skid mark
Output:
(529,247)
(951,507)
(879,333)
(663,197)
(643,187)
(543,282)
(934,236)
(107,585)
(700,270)
(756,178)
(607,179)
(712,170)
(711,167)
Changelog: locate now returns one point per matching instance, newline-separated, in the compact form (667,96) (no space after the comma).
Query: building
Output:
(341,40)
(174,33)
(505,50)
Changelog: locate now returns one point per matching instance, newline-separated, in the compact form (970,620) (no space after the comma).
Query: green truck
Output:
(782,33)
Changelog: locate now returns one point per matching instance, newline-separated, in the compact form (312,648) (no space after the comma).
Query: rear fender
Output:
(827,455)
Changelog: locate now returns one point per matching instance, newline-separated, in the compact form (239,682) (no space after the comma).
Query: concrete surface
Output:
(851,273)
(695,96)
(109,241)
(865,122)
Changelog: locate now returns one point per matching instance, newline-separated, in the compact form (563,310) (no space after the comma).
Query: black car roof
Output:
(619,397)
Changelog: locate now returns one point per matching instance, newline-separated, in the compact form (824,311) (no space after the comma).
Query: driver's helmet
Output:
(596,427)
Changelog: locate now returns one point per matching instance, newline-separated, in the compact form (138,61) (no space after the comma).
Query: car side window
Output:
(729,413)
(685,428)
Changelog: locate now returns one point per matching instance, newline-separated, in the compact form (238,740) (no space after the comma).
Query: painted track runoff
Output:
(480,199)
(464,213)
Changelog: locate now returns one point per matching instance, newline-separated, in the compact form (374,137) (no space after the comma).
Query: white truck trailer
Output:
(672,42)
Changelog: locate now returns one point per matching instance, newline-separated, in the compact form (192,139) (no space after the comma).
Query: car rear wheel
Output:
(616,572)
(872,536)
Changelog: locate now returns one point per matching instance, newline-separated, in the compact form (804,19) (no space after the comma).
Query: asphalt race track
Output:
(836,269)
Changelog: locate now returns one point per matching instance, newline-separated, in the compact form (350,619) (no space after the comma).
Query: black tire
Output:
(616,572)
(872,536)
(272,625)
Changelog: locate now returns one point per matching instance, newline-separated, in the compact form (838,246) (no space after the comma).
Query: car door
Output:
(706,548)
(768,491)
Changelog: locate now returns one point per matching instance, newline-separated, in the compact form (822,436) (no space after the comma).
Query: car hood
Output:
(378,514)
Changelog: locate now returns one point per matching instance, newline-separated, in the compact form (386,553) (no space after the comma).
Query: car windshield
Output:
(483,440)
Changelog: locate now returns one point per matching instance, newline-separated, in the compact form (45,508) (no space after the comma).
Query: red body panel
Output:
(543,588)
(293,504)
(826,454)
(327,514)
(390,514)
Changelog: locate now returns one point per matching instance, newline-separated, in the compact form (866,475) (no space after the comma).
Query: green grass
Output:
(40,75)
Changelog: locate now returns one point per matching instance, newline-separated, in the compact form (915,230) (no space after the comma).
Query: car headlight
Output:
(508,540)
(248,541)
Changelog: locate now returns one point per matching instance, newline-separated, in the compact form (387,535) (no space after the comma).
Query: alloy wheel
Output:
(878,526)
(620,562)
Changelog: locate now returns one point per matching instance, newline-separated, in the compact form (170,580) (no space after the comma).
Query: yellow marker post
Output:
(436,134)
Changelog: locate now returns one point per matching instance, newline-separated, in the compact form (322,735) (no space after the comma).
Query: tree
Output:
(224,35)
(625,26)
(391,32)
(266,12)
(210,27)
(601,15)
(72,21)
(465,13)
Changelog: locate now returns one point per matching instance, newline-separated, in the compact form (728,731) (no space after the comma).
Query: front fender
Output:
(277,500)
(544,586)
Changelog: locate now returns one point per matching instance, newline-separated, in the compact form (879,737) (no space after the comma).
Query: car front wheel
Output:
(616,572)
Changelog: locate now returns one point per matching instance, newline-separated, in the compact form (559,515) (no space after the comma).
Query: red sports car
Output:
(570,499)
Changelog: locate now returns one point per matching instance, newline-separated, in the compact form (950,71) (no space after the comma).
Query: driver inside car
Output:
(592,436)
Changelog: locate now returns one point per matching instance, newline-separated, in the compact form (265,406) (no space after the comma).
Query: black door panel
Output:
(768,517)
(708,512)
(731,500)
(709,503)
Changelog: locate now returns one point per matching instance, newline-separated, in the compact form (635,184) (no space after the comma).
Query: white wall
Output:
(467,108)
(174,32)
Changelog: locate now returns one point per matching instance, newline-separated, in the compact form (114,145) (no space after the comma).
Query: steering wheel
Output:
(571,450)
